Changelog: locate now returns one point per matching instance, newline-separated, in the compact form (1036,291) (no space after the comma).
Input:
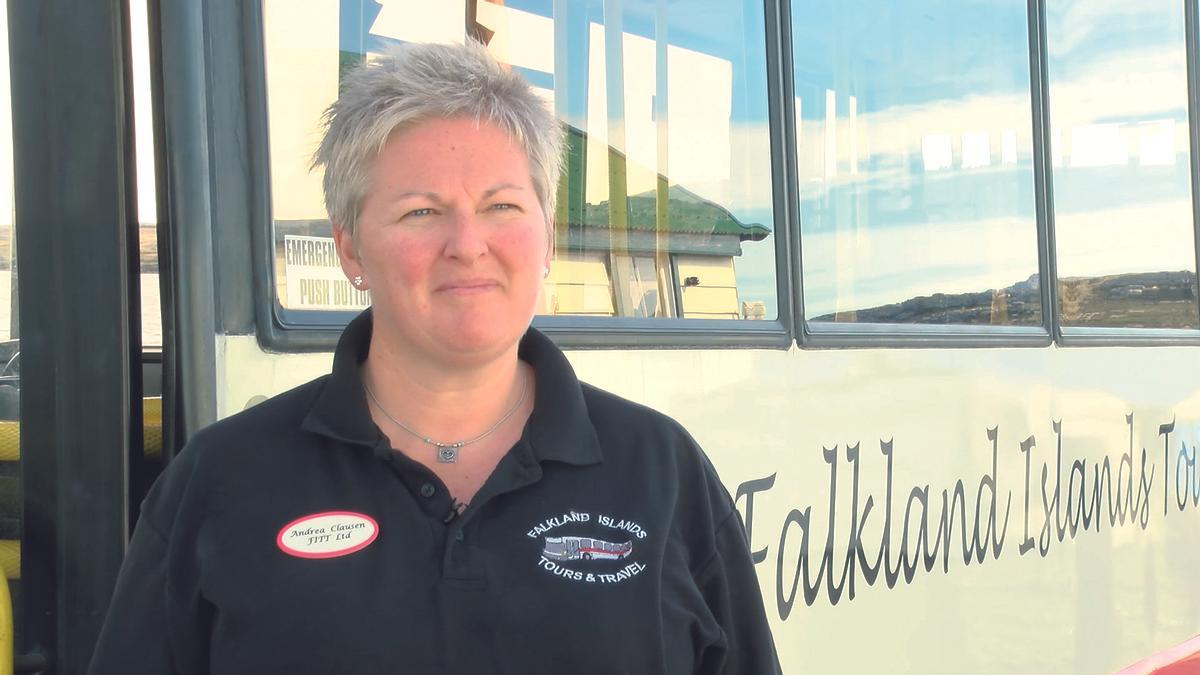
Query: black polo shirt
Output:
(291,538)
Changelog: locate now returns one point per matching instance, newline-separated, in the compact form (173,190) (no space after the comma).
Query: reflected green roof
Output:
(686,212)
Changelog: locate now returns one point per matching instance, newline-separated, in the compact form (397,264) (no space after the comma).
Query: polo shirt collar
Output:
(340,410)
(559,428)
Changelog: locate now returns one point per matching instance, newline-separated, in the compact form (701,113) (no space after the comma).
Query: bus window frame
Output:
(288,330)
(285,330)
(826,335)
(1088,336)
(834,335)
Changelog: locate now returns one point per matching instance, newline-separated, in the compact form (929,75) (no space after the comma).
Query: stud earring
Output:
(545,272)
(358,280)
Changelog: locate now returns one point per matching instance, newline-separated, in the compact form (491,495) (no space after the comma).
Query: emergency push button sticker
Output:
(327,535)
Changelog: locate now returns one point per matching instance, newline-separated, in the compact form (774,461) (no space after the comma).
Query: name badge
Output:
(329,534)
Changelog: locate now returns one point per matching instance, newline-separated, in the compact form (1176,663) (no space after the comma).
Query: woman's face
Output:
(452,241)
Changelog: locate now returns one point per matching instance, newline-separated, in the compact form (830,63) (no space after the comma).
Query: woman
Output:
(450,499)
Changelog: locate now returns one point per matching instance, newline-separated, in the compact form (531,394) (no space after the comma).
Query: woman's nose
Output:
(466,236)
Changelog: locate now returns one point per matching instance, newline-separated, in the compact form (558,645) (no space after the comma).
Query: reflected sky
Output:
(915,146)
(914,150)
(1118,103)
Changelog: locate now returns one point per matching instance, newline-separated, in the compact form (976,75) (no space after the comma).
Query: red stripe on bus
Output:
(1182,659)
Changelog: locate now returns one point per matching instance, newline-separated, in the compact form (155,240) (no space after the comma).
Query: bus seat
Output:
(10,441)
(10,432)
(10,549)
(152,431)
(10,558)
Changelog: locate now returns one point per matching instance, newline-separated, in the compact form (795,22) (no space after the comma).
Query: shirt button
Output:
(458,535)
(427,490)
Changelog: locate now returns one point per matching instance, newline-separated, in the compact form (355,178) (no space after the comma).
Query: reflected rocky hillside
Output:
(1146,299)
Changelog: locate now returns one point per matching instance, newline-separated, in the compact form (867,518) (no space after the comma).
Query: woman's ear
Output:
(347,250)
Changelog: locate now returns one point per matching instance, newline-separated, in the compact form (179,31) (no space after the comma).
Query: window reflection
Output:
(665,208)
(1122,191)
(915,162)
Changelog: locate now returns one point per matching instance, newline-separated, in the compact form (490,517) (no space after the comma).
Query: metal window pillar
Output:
(188,109)
(1043,167)
(75,230)
(1191,24)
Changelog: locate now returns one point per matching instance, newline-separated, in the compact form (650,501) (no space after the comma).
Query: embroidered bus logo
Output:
(562,554)
(584,548)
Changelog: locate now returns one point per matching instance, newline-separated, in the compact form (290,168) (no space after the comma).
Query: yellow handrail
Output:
(6,629)
(10,550)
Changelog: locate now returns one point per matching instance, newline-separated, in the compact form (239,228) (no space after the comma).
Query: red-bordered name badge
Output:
(329,534)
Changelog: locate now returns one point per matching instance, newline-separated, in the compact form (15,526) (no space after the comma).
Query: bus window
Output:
(1126,251)
(665,208)
(915,163)
(9,328)
(147,196)
(10,366)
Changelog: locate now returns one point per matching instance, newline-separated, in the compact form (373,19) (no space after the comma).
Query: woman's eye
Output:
(419,212)
(503,207)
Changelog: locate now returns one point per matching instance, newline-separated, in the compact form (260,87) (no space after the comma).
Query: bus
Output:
(584,548)
(920,277)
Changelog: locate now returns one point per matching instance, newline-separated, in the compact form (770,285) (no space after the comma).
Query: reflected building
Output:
(671,257)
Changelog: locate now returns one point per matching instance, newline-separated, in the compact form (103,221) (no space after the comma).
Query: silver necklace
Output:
(447,453)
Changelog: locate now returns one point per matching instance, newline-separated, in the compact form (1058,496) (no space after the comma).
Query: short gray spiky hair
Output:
(414,83)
